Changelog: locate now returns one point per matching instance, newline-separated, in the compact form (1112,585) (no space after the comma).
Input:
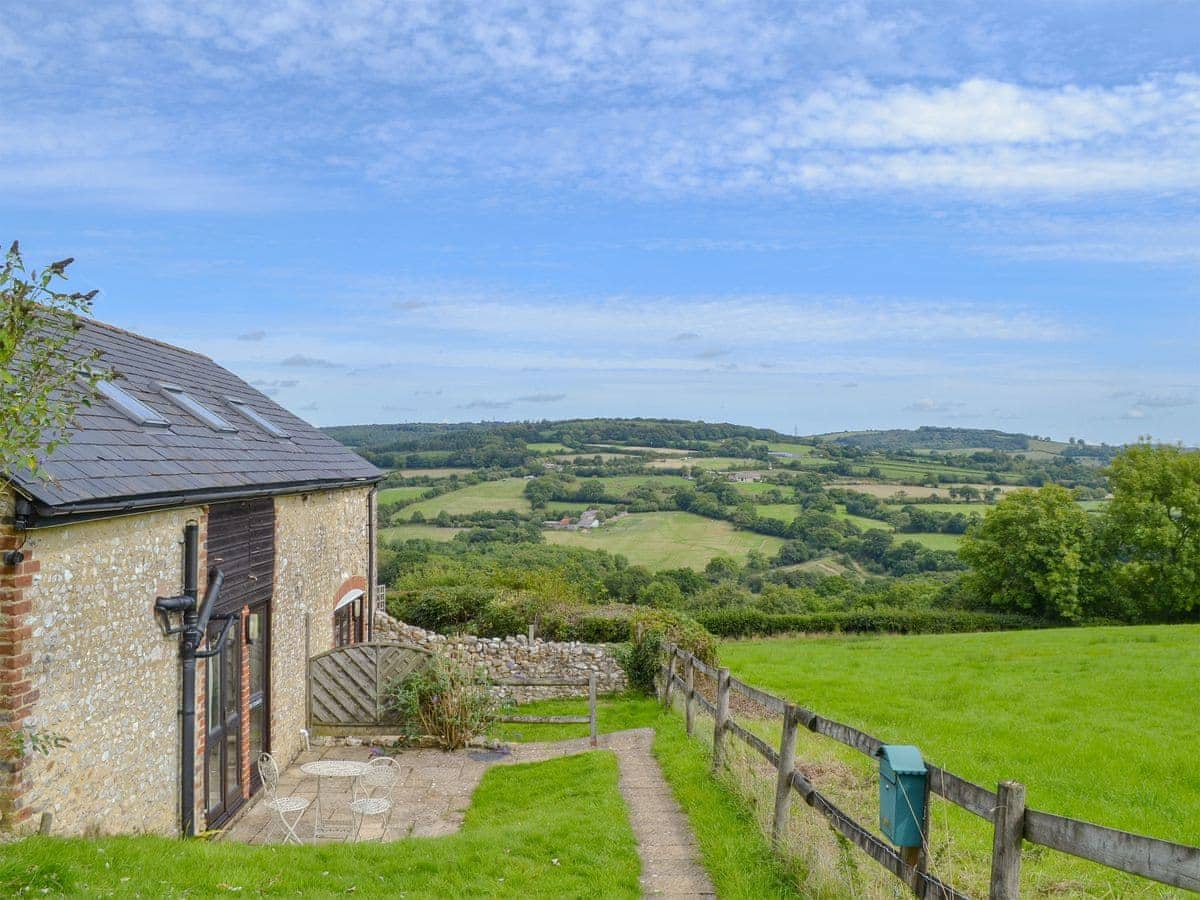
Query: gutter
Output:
(47,516)
(371,575)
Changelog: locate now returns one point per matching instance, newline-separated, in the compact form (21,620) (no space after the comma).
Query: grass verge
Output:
(733,849)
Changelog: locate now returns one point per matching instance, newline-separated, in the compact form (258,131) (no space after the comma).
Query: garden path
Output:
(436,788)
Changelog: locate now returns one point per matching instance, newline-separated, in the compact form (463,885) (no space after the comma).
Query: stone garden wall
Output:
(516,657)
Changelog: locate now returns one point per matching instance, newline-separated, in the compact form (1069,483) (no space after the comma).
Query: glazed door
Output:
(258,652)
(222,748)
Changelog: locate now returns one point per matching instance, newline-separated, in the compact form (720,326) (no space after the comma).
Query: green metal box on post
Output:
(902,777)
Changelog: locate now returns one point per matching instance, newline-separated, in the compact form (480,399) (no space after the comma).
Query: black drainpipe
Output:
(191,635)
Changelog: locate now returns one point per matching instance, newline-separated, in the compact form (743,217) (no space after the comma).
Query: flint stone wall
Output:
(517,657)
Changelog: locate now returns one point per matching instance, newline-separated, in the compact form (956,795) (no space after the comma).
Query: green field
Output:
(432,473)
(708,463)
(490,496)
(548,829)
(932,541)
(1098,723)
(619,485)
(392,495)
(667,540)
(785,512)
(796,449)
(547,447)
(980,508)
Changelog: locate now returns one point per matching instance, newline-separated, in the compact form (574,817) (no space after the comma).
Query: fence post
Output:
(1006,842)
(783,784)
(689,709)
(592,706)
(722,718)
(670,682)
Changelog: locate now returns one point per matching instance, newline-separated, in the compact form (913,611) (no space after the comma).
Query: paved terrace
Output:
(435,790)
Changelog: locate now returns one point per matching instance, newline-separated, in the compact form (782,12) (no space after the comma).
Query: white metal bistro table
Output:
(326,826)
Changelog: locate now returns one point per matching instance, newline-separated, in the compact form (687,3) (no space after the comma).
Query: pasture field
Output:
(864,522)
(785,512)
(618,485)
(547,447)
(491,496)
(754,488)
(417,533)
(1098,723)
(730,463)
(890,490)
(391,495)
(931,540)
(968,508)
(668,540)
(1094,505)
(587,456)
(662,451)
(796,449)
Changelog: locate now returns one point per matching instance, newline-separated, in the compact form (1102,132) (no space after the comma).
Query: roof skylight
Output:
(192,405)
(256,417)
(130,405)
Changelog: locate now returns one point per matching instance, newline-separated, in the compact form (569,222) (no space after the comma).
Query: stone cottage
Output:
(177,465)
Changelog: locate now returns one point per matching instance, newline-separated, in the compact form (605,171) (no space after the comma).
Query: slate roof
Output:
(111,462)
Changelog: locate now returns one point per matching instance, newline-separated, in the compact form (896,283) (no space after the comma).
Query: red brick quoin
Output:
(17,694)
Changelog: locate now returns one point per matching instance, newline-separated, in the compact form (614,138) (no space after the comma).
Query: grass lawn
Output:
(1098,723)
(551,829)
(667,540)
(491,496)
(732,847)
(417,532)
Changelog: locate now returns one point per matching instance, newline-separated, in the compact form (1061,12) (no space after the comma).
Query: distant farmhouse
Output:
(587,521)
(745,477)
(178,469)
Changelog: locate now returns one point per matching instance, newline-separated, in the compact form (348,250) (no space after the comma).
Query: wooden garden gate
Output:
(346,685)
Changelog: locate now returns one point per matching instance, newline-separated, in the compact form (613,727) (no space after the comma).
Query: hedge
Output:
(747,622)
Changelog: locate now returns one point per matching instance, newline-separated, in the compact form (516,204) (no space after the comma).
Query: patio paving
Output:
(435,790)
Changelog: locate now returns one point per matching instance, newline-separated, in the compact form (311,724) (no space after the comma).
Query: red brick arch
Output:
(362,630)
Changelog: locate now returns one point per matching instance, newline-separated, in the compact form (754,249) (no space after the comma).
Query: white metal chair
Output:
(283,807)
(372,793)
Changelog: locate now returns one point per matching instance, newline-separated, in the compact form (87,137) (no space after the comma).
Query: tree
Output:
(1152,530)
(44,384)
(1029,554)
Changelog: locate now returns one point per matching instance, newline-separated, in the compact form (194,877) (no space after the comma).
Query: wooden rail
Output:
(589,719)
(1177,865)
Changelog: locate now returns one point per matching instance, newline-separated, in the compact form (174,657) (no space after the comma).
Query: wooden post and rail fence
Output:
(1177,865)
(589,719)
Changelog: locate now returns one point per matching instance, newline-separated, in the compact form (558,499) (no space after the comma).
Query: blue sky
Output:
(808,216)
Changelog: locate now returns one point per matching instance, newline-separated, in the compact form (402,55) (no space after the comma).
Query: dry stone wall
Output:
(517,657)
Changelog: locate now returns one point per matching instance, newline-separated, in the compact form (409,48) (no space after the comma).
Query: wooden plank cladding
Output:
(241,543)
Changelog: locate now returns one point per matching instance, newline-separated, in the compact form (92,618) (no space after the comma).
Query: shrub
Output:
(445,609)
(675,628)
(445,701)
(752,622)
(642,662)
